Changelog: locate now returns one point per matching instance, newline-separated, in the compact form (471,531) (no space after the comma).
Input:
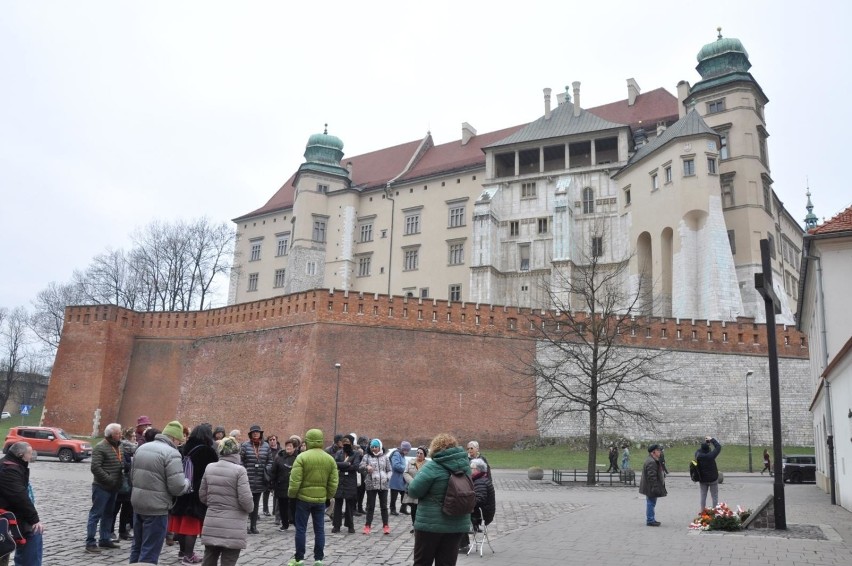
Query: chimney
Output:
(560,99)
(468,132)
(576,85)
(349,169)
(547,104)
(682,93)
(632,91)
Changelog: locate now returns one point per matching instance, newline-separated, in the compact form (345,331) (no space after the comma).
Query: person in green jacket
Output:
(436,535)
(313,481)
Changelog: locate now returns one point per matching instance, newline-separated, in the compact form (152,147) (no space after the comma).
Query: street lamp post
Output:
(748,422)
(336,398)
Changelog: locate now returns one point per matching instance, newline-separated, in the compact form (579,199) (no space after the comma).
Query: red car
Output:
(49,441)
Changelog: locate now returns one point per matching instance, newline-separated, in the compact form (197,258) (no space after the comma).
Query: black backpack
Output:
(460,498)
(694,471)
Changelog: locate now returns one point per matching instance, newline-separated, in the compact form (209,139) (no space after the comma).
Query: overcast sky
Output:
(114,114)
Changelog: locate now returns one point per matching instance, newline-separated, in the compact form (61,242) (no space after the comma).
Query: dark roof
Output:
(562,122)
(690,125)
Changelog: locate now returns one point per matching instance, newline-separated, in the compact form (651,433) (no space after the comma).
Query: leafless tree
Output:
(581,367)
(49,311)
(13,342)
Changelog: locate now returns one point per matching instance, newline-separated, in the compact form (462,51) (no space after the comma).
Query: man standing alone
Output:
(653,484)
(107,463)
(313,481)
(709,473)
(157,477)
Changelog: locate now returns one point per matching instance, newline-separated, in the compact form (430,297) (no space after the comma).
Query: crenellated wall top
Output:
(344,307)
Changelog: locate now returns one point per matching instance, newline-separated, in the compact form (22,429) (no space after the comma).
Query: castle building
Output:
(678,186)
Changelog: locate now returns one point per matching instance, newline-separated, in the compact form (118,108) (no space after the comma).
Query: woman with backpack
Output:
(437,534)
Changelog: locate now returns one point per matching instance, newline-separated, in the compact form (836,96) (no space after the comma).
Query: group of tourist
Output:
(177,486)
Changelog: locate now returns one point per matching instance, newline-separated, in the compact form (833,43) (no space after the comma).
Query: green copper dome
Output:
(324,149)
(724,56)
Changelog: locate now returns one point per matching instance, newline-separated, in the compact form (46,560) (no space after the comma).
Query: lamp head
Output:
(337,366)
(749,372)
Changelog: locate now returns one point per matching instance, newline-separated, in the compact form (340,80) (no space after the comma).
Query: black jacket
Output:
(14,496)
(279,472)
(347,470)
(486,502)
(707,462)
(189,504)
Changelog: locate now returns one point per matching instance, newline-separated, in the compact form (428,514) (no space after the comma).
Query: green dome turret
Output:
(724,56)
(323,154)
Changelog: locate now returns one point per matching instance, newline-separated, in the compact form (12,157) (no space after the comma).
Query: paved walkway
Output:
(536,522)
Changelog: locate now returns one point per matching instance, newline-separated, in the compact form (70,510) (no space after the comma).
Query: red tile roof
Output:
(376,168)
(842,222)
(649,108)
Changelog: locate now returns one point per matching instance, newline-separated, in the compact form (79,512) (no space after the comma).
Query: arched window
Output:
(588,200)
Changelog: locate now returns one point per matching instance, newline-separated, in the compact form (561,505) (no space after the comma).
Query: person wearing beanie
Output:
(225,490)
(705,456)
(397,482)
(143,423)
(376,467)
(219,433)
(256,456)
(157,477)
(313,481)
(652,484)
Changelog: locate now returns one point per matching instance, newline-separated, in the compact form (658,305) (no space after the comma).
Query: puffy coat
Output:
(107,465)
(653,481)
(157,476)
(225,490)
(430,485)
(347,470)
(411,471)
(314,475)
(255,459)
(379,478)
(189,504)
(279,472)
(486,501)
(707,462)
(14,496)
(398,464)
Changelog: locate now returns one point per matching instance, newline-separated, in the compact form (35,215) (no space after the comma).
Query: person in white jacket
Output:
(376,468)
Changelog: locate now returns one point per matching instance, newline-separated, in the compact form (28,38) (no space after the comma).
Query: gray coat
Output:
(225,490)
(157,477)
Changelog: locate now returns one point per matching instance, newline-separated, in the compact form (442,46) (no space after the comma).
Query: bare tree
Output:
(49,311)
(13,341)
(581,366)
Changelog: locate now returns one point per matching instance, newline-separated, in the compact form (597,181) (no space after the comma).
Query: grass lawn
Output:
(733,458)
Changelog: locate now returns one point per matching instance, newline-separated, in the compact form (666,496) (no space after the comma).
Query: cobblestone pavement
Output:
(535,522)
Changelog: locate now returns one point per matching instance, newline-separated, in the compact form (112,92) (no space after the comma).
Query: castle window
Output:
(455,292)
(411,260)
(319,229)
(311,268)
(456,216)
(668,172)
(322,188)
(767,198)
(716,106)
(514,228)
(597,246)
(688,167)
(279,278)
(727,194)
(771,239)
(655,182)
(424,292)
(364,266)
(524,257)
(723,145)
(367,232)
(542,226)
(412,223)
(252,281)
(588,200)
(255,251)
(528,190)
(456,253)
(711,165)
(283,243)
(627,196)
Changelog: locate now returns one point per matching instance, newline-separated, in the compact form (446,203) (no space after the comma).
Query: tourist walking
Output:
(766,463)
(437,535)
(625,457)
(709,473)
(652,484)
(613,459)
(313,481)
(225,490)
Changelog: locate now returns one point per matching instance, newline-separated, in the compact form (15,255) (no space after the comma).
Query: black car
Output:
(797,468)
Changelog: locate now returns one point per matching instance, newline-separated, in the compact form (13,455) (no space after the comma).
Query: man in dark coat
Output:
(348,460)
(15,497)
(706,458)
(652,484)
(107,471)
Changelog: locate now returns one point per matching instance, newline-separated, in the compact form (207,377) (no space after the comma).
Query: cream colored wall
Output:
(265,226)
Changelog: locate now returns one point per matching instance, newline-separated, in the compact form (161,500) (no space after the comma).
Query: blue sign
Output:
(25,409)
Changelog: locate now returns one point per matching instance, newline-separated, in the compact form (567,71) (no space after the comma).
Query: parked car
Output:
(49,441)
(797,468)
(6,415)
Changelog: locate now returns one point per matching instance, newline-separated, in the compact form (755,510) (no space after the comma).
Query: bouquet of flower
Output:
(720,518)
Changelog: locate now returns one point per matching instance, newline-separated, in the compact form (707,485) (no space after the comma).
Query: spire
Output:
(811,218)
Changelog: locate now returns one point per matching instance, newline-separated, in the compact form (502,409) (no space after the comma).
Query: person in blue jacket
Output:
(397,481)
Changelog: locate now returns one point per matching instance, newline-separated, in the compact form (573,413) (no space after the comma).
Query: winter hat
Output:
(256,428)
(296,440)
(174,430)
(313,438)
(404,446)
(351,438)
(376,443)
(347,440)
(143,420)
(705,447)
(653,447)
(219,429)
(227,446)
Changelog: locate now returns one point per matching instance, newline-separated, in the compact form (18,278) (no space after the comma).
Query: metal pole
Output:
(748,424)
(336,399)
